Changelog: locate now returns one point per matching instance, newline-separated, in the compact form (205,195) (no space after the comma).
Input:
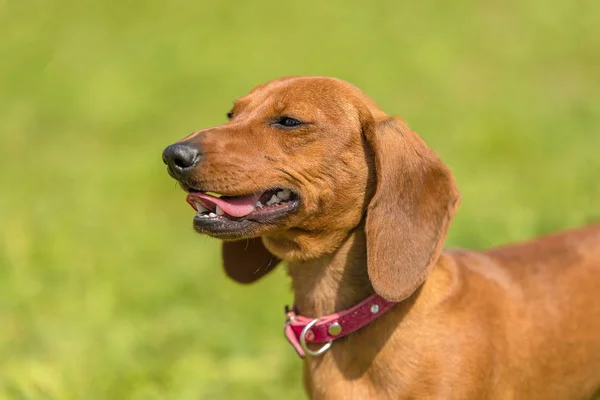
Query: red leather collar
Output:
(301,330)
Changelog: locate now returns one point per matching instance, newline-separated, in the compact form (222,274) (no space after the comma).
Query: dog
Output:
(310,171)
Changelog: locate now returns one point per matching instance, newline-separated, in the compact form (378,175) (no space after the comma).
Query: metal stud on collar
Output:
(334,329)
(303,334)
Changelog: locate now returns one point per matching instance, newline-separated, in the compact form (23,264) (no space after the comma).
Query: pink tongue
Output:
(234,206)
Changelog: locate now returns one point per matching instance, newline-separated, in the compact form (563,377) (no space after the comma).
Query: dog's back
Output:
(554,306)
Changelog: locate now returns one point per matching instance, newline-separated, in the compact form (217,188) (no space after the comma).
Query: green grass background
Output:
(105,291)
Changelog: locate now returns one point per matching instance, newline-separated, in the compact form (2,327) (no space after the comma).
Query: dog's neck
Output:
(333,282)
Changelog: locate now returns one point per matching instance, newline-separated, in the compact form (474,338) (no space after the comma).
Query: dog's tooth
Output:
(259,204)
(219,211)
(273,200)
(284,194)
(212,214)
(200,208)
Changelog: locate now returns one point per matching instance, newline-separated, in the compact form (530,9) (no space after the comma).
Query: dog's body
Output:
(369,209)
(518,322)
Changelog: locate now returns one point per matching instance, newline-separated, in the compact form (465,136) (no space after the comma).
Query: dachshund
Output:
(310,171)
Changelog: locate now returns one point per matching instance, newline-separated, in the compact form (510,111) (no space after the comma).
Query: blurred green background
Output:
(106,292)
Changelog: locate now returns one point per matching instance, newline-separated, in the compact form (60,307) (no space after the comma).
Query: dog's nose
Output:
(181,158)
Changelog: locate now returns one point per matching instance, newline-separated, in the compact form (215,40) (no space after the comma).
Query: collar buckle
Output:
(303,334)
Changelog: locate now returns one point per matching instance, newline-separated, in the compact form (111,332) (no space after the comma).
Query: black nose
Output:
(181,158)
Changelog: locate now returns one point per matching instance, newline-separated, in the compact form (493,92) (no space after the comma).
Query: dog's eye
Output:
(287,123)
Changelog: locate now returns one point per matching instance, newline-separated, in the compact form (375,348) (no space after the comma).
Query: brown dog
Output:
(314,173)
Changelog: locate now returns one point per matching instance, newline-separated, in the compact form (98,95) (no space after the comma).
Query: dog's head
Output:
(300,164)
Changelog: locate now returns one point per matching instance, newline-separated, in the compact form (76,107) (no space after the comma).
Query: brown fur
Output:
(517,322)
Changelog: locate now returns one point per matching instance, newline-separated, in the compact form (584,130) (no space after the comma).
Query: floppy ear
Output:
(410,212)
(247,260)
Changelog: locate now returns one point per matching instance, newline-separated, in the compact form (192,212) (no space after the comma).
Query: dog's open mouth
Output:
(214,209)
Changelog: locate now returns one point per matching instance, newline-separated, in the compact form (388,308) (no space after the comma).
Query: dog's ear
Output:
(409,215)
(245,261)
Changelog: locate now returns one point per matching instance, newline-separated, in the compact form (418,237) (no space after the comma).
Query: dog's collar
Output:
(301,330)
